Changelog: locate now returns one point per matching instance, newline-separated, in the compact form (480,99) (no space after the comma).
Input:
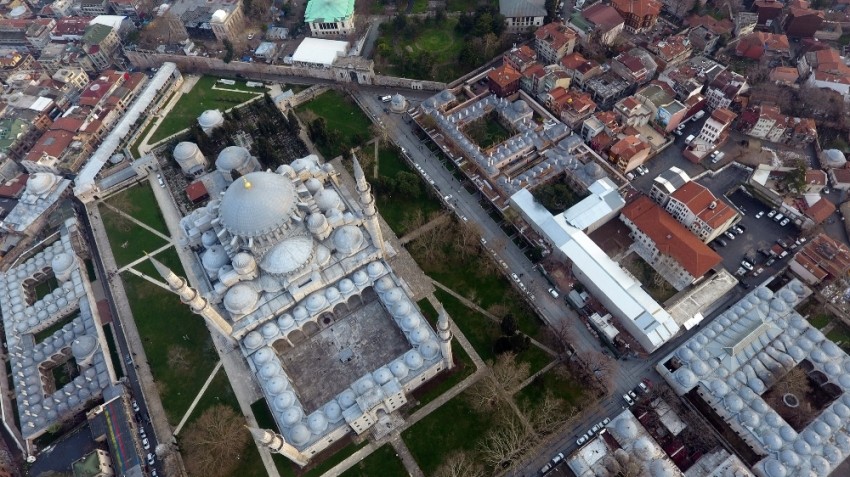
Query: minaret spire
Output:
(276,443)
(191,297)
(445,334)
(367,203)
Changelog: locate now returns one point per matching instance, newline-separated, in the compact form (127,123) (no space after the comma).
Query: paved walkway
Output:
(406,457)
(441,219)
(137,222)
(197,398)
(188,83)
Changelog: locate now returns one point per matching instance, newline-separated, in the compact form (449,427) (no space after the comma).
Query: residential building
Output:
(818,212)
(760,45)
(598,22)
(100,42)
(830,31)
(128,8)
(815,181)
(73,78)
(703,40)
(520,58)
(13,61)
(632,112)
(700,211)
(715,130)
(607,88)
(38,33)
(801,21)
(333,18)
(619,292)
(522,15)
(767,122)
(17,136)
(839,178)
(58,9)
(638,15)
(635,66)
(554,76)
(666,183)
(826,69)
(602,204)
(553,41)
(570,105)
(768,12)
(672,50)
(94,7)
(70,28)
(822,258)
(49,151)
(676,254)
(628,153)
(784,75)
(668,112)
(580,69)
(725,88)
(532,78)
(718,27)
(503,80)
(13,32)
(598,123)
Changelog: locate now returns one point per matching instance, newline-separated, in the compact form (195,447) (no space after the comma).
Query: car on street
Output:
(729,235)
(516,278)
(596,428)
(606,421)
(643,387)
(784,221)
(770,261)
(135,406)
(760,214)
(146,443)
(778,217)
(738,230)
(151,458)
(628,399)
(581,440)
(483,241)
(677,132)
(463,217)
(747,265)
(771,214)
(690,138)
(721,242)
(552,463)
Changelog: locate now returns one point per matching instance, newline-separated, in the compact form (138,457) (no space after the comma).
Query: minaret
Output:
(445,333)
(367,203)
(277,443)
(191,297)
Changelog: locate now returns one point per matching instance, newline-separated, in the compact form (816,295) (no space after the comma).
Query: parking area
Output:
(759,233)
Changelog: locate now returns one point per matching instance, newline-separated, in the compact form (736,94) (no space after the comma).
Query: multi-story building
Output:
(598,22)
(580,69)
(607,88)
(570,105)
(700,211)
(761,45)
(767,122)
(94,7)
(768,12)
(668,112)
(801,21)
(128,8)
(632,112)
(635,66)
(687,79)
(666,183)
(628,153)
(38,33)
(672,50)
(522,15)
(100,42)
(70,28)
(666,245)
(553,41)
(228,23)
(725,88)
(17,136)
(521,58)
(638,15)
(598,123)
(827,69)
(504,80)
(716,128)
(703,40)
(73,79)
(13,61)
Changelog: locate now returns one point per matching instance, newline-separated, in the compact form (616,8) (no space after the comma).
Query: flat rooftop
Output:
(357,344)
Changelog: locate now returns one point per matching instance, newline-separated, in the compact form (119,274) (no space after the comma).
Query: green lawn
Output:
(487,131)
(840,335)
(420,6)
(139,202)
(557,381)
(50,330)
(342,115)
(395,207)
(393,52)
(454,426)
(482,332)
(134,148)
(113,350)
(128,240)
(384,462)
(164,323)
(46,287)
(464,367)
(201,98)
(820,320)
(333,460)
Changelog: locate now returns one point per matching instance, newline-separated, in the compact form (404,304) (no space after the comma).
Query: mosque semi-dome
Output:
(288,256)
(257,204)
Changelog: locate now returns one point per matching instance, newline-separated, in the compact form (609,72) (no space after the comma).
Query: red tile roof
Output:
(15,187)
(825,255)
(52,143)
(602,15)
(196,191)
(698,199)
(640,8)
(628,147)
(670,237)
(556,34)
(717,26)
(820,211)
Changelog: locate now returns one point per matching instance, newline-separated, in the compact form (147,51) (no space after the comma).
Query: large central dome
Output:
(256,204)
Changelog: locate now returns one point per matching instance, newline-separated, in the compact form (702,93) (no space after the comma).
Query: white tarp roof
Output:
(319,51)
(86,178)
(113,21)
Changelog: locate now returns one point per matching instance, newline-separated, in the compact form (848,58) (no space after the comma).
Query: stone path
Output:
(144,258)
(137,222)
(406,457)
(197,398)
(413,235)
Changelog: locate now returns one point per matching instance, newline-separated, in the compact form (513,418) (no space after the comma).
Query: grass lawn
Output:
(397,208)
(113,350)
(50,330)
(441,40)
(464,367)
(163,322)
(140,203)
(383,462)
(820,320)
(333,460)
(840,335)
(342,115)
(558,381)
(201,98)
(482,332)
(648,277)
(128,240)
(454,426)
(134,148)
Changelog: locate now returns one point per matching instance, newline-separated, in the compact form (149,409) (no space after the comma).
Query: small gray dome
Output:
(241,299)
(284,400)
(834,158)
(288,256)
(348,239)
(214,258)
(291,415)
(253,340)
(210,118)
(327,199)
(625,429)
(399,369)
(643,449)
(413,359)
(83,346)
(774,468)
(300,435)
(185,150)
(347,399)
(317,422)
(61,262)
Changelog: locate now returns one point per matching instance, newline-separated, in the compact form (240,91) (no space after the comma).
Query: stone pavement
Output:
(413,235)
(197,398)
(406,457)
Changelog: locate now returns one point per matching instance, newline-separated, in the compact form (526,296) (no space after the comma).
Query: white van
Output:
(553,293)
(386,99)
(690,138)
(718,158)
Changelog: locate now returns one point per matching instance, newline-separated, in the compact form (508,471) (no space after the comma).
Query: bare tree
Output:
(505,443)
(214,441)
(460,464)
(601,367)
(508,372)
(563,333)
(550,414)
(466,239)
(486,394)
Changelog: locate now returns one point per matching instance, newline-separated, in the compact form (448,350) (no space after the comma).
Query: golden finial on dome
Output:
(246,183)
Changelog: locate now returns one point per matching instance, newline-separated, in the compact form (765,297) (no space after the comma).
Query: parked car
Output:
(747,265)
(778,217)
(729,235)
(771,214)
(770,261)
(721,242)
(151,458)
(760,214)
(606,421)
(135,406)
(552,463)
(718,158)
(785,221)
(738,230)
(690,138)
(628,399)
(741,227)
(643,387)
(146,443)
(581,440)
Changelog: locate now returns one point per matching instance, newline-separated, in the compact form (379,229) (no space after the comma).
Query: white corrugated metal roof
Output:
(319,51)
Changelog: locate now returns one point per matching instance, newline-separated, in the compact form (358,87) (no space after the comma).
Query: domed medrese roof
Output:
(232,157)
(258,203)
(41,183)
(210,118)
